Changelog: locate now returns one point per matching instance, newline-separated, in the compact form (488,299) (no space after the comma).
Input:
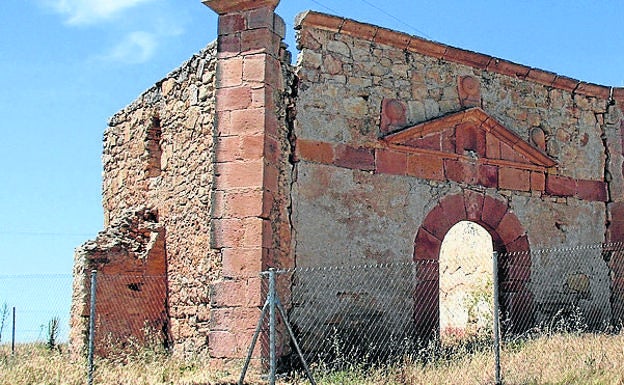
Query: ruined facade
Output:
(368,150)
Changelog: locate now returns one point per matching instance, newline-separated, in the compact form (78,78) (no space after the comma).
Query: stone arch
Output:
(509,239)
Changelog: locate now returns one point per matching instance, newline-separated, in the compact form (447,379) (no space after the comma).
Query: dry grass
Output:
(558,359)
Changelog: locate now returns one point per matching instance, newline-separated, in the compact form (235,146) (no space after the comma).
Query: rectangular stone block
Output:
(514,179)
(243,263)
(425,166)
(313,151)
(590,190)
(389,161)
(240,174)
(358,158)
(560,186)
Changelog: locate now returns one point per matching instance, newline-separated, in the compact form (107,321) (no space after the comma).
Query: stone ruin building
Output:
(368,150)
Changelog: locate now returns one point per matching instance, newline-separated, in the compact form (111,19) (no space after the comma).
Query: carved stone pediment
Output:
(470,134)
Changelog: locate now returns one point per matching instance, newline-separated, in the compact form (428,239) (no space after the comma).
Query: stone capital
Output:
(227,6)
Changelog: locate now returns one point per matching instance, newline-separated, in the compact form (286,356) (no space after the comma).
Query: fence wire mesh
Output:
(42,304)
(372,312)
(130,312)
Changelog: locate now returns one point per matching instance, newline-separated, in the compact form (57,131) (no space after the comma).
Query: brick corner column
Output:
(246,171)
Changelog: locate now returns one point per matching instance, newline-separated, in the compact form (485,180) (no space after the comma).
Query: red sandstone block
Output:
(541,76)
(615,231)
(234,319)
(565,83)
(231,23)
(426,246)
(222,344)
(425,166)
(520,246)
(233,98)
(590,89)
(493,211)
(272,125)
(538,181)
(218,204)
(508,68)
(252,233)
(390,162)
(427,271)
(260,18)
(469,58)
(454,209)
(249,122)
(272,150)
(616,211)
(426,47)
(229,45)
(470,138)
(240,174)
(255,295)
(229,293)
(392,38)
(507,152)
(360,30)
(473,204)
(358,158)
(242,263)
(492,147)
(488,175)
(227,232)
(252,147)
(271,179)
(461,172)
(436,222)
(245,204)
(258,41)
(429,142)
(560,185)
(230,72)
(228,149)
(514,179)
(313,151)
(509,229)
(254,68)
(590,190)
(263,97)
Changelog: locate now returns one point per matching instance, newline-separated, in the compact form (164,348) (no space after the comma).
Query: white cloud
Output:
(81,12)
(136,47)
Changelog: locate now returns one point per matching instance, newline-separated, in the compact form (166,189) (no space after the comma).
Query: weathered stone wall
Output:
(360,198)
(131,287)
(158,153)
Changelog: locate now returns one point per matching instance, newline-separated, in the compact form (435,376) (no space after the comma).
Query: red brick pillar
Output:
(247,155)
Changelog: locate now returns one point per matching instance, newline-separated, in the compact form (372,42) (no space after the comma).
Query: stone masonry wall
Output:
(358,199)
(158,153)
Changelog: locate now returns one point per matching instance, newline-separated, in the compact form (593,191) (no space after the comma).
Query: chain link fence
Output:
(35,308)
(370,314)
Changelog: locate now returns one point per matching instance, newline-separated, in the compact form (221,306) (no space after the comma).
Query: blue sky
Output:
(66,66)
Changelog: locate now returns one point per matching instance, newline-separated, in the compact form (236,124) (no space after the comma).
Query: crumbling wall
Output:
(158,154)
(360,199)
(131,285)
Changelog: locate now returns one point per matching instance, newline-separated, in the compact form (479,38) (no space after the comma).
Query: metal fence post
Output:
(496,315)
(272,295)
(91,325)
(13,333)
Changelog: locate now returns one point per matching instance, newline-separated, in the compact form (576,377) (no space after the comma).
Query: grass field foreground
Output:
(588,359)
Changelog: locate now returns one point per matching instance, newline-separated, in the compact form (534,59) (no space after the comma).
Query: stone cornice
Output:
(226,6)
(456,55)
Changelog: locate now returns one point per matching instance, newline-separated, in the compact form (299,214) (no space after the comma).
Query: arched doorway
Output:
(508,238)
(466,283)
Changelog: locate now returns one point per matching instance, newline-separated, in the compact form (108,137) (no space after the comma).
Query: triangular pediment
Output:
(471,133)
